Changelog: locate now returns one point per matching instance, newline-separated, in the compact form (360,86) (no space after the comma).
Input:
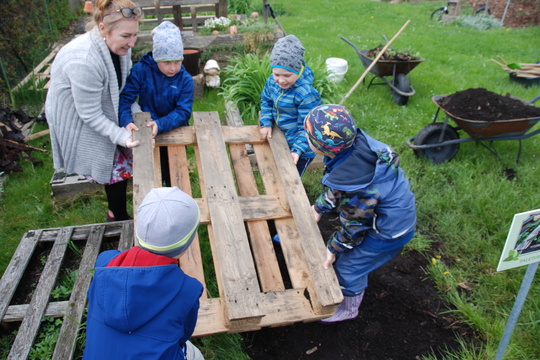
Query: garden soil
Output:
(401,318)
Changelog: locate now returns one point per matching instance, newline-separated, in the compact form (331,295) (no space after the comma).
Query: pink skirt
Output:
(122,166)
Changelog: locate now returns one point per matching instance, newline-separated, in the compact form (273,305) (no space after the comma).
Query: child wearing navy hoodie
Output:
(141,305)
(377,209)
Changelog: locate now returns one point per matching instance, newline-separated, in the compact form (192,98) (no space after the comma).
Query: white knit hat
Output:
(168,44)
(167,221)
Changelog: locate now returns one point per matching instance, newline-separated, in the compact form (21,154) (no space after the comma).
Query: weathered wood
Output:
(32,320)
(259,234)
(15,269)
(240,288)
(144,153)
(16,313)
(179,173)
(65,345)
(320,283)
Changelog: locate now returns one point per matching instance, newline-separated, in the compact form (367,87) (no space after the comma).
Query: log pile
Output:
(13,125)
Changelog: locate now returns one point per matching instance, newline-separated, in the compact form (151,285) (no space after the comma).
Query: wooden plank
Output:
(127,236)
(81,232)
(65,345)
(286,308)
(240,288)
(143,159)
(261,242)
(191,261)
(38,69)
(323,284)
(15,269)
(185,135)
(16,313)
(32,320)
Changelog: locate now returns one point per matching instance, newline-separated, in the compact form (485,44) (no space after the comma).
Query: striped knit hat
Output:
(167,221)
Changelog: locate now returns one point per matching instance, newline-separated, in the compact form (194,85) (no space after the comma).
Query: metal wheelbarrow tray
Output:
(400,86)
(439,142)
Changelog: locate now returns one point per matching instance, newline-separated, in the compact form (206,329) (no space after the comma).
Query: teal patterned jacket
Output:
(287,109)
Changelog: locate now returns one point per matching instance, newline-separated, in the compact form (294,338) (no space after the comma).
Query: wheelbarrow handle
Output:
(534,99)
(350,43)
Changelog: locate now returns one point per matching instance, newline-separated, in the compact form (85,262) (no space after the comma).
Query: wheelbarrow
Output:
(439,141)
(400,86)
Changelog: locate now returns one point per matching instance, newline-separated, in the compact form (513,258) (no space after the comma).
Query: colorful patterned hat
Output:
(330,128)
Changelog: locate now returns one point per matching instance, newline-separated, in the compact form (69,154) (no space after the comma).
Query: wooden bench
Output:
(159,9)
(259,283)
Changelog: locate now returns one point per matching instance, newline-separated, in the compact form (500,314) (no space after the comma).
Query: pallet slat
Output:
(65,345)
(32,320)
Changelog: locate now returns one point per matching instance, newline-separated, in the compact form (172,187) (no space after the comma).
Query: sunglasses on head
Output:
(129,13)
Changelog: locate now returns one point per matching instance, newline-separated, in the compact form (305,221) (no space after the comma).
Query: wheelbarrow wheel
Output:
(431,134)
(402,84)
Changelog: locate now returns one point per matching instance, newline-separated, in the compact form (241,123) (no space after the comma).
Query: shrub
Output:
(479,22)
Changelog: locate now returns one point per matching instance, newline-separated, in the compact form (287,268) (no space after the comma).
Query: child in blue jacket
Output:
(160,82)
(141,305)
(287,98)
(377,208)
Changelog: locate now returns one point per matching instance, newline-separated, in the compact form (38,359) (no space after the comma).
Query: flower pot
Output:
(192,61)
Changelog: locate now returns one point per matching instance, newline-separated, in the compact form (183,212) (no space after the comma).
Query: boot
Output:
(348,310)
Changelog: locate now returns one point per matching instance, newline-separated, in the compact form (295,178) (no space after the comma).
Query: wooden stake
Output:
(374,62)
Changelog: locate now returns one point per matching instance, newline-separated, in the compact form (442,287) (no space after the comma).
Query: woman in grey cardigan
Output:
(87,76)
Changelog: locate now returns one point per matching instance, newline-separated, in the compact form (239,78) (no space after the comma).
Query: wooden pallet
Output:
(253,293)
(57,241)
(260,283)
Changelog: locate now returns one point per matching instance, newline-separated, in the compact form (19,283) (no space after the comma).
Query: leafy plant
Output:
(245,77)
(239,6)
(479,22)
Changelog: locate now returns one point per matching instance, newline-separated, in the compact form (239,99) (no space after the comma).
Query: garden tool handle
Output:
(374,62)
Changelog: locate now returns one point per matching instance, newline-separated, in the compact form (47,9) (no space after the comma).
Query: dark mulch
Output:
(482,104)
(401,317)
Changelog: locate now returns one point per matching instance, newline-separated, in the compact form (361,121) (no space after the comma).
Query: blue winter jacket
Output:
(145,312)
(287,109)
(169,100)
(374,198)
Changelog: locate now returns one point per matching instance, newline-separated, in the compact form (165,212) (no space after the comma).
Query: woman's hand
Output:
(131,144)
(131,127)
(330,259)
(266,132)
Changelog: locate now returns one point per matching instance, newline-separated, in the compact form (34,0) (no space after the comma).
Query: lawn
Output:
(465,206)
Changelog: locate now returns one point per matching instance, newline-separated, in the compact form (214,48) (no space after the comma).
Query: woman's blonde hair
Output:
(105,12)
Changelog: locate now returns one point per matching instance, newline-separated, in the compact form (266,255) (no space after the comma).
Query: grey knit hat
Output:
(168,44)
(288,54)
(167,221)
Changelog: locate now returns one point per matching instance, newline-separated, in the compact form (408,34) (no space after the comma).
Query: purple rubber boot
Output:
(348,310)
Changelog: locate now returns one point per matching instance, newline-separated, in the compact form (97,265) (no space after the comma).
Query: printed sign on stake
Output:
(522,245)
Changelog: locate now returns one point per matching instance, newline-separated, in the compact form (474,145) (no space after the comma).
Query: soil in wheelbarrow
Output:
(401,317)
(482,104)
(391,54)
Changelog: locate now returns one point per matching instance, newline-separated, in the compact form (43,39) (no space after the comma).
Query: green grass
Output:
(465,206)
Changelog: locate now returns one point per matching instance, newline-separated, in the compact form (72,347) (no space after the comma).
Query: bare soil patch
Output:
(401,317)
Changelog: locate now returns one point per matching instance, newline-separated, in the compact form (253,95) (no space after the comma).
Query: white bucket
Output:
(336,68)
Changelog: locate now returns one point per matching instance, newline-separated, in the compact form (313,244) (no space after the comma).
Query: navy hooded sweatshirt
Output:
(169,100)
(143,307)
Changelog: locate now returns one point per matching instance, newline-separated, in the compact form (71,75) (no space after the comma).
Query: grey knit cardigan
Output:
(82,107)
